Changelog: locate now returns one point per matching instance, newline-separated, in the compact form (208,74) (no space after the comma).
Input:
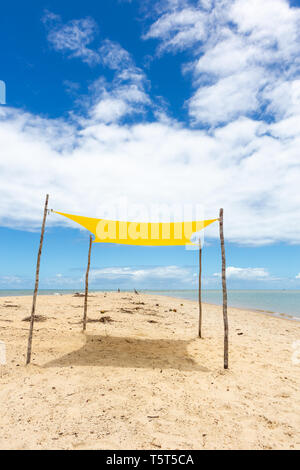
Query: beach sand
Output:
(144,380)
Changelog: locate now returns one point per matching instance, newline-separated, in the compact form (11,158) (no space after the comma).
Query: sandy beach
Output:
(141,379)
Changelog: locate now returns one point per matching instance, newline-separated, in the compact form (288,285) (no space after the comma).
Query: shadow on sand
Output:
(113,351)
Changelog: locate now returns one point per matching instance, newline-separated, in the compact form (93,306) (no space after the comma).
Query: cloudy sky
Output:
(171,102)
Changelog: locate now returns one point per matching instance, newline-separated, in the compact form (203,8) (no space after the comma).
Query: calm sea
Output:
(270,301)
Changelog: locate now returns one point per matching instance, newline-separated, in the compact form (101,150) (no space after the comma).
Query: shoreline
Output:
(281,316)
(273,314)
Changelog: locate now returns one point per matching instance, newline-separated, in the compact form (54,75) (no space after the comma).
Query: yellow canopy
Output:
(140,233)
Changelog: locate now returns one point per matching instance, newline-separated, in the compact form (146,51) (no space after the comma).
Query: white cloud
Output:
(246,56)
(246,274)
(127,277)
(249,165)
(150,163)
(144,277)
(284,99)
(228,98)
(137,274)
(71,87)
(72,37)
(125,95)
(179,29)
(114,56)
(298,276)
(268,21)
(11,281)
(109,109)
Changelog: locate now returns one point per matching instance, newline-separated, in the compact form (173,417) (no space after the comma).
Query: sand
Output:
(144,380)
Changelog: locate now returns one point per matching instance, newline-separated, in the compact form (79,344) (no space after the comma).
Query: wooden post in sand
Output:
(36,284)
(225,318)
(87,285)
(199,290)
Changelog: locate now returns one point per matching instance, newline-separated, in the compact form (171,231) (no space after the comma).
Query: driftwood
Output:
(106,320)
(100,320)
(225,318)
(78,294)
(125,310)
(199,290)
(37,318)
(87,285)
(29,347)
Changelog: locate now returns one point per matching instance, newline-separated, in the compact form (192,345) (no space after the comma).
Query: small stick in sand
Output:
(36,283)
(199,292)
(225,318)
(87,285)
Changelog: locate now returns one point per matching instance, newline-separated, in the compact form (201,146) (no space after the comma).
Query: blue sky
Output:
(172,102)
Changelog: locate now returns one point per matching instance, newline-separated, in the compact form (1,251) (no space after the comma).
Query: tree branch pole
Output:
(199,290)
(36,283)
(225,318)
(87,285)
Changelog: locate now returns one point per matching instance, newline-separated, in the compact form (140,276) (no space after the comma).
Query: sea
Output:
(284,303)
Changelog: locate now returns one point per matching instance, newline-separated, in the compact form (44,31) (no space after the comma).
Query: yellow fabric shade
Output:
(140,233)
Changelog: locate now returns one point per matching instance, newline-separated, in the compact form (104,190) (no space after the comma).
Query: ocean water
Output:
(285,302)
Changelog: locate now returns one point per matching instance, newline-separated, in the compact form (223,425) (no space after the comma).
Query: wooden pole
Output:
(36,283)
(87,285)
(199,290)
(225,318)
